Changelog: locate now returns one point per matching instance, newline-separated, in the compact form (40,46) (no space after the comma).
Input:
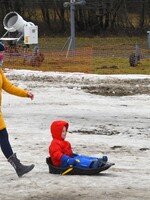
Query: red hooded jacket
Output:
(59,146)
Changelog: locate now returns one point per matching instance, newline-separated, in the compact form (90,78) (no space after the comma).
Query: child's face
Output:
(64,133)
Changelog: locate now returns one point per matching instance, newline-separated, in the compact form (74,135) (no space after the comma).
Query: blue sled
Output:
(76,170)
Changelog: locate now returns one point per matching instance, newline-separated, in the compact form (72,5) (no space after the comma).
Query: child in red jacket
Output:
(61,152)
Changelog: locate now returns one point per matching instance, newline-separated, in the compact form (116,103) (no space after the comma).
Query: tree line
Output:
(96,17)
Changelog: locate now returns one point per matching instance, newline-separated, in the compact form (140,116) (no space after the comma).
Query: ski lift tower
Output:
(71,39)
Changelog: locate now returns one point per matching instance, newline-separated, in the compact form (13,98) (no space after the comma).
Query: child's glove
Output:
(71,161)
(67,159)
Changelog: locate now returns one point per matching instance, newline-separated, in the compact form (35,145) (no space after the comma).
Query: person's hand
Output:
(68,160)
(30,95)
(71,161)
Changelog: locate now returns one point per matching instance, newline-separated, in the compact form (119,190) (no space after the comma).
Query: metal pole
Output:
(72,21)
(148,38)
(72,5)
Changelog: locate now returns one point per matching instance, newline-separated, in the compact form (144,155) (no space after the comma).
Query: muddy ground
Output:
(100,85)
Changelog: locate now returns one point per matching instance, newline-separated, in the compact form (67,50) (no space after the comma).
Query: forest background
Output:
(96,17)
(104,29)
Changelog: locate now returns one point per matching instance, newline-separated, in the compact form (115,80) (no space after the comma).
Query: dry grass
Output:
(93,55)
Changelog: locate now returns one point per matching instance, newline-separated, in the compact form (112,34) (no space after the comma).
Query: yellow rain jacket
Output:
(6,85)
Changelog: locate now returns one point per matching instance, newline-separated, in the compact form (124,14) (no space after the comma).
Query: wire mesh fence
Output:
(82,53)
(83,56)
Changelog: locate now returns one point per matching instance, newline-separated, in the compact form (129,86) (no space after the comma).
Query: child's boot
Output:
(96,163)
(105,159)
(102,161)
(20,168)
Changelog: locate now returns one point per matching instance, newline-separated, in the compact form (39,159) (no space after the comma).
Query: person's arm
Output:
(12,89)
(55,151)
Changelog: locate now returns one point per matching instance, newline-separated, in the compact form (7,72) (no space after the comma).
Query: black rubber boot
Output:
(20,168)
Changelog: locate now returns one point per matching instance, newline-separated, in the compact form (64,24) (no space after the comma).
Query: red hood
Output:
(56,129)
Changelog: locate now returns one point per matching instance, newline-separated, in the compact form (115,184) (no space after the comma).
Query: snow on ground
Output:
(117,126)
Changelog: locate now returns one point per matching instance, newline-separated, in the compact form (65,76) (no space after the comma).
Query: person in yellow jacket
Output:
(6,148)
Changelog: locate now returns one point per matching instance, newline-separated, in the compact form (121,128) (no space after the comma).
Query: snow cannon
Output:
(14,22)
(21,31)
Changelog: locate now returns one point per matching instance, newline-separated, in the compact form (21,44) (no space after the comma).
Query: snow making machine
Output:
(19,31)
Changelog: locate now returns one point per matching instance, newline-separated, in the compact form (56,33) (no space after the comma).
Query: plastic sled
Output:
(76,170)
